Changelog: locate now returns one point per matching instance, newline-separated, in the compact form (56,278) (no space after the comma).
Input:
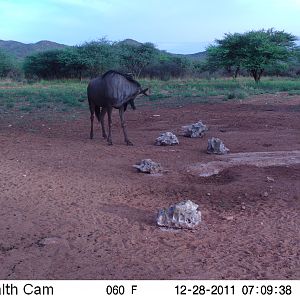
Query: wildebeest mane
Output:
(127,76)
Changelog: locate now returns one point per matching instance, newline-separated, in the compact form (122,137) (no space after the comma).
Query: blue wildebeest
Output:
(112,90)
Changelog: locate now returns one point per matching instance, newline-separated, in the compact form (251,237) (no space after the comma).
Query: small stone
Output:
(270,179)
(194,130)
(181,215)
(166,139)
(243,206)
(208,194)
(148,166)
(56,242)
(216,146)
(265,194)
(228,218)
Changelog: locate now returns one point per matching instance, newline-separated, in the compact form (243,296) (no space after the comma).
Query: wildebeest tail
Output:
(97,112)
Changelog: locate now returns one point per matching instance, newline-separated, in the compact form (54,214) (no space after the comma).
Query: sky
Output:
(177,26)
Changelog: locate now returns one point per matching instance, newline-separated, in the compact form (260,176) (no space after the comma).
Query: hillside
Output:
(21,50)
(197,56)
(200,56)
(130,42)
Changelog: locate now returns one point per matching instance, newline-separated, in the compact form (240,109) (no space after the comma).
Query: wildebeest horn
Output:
(145,92)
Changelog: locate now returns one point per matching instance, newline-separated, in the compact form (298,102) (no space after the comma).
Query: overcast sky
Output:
(178,26)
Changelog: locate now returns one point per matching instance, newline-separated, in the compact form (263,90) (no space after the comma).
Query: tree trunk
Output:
(260,73)
(256,73)
(237,70)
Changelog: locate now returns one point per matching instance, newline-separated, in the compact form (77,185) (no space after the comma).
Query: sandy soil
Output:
(75,208)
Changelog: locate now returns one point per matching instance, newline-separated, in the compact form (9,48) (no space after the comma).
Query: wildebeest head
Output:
(131,102)
(141,91)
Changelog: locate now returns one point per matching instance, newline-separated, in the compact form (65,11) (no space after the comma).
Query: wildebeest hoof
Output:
(109,143)
(129,143)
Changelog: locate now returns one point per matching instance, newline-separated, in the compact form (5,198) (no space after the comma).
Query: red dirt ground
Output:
(75,208)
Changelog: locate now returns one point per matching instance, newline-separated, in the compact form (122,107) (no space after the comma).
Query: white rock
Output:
(216,146)
(181,215)
(194,130)
(148,166)
(167,139)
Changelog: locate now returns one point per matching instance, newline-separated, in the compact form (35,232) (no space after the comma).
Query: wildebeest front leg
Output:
(109,112)
(92,131)
(121,112)
(102,114)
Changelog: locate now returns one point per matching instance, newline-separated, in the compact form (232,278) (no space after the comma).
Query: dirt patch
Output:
(257,159)
(75,208)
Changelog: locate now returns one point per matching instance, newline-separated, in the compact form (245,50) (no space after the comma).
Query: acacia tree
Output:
(253,51)
(227,54)
(167,65)
(99,56)
(6,64)
(90,59)
(135,58)
(73,64)
(45,65)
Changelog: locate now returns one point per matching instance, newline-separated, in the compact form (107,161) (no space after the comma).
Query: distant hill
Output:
(21,50)
(194,56)
(197,56)
(130,42)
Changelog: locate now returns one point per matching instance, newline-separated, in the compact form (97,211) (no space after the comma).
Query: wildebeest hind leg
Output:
(121,112)
(92,109)
(102,115)
(109,112)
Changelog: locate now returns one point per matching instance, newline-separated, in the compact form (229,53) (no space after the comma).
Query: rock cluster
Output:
(166,139)
(148,166)
(216,146)
(181,215)
(194,130)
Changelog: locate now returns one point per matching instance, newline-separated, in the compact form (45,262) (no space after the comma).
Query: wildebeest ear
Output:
(146,92)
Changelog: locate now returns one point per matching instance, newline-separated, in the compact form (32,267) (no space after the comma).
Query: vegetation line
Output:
(65,94)
(254,53)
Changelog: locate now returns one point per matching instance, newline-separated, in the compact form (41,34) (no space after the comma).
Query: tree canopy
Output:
(94,58)
(6,64)
(253,51)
